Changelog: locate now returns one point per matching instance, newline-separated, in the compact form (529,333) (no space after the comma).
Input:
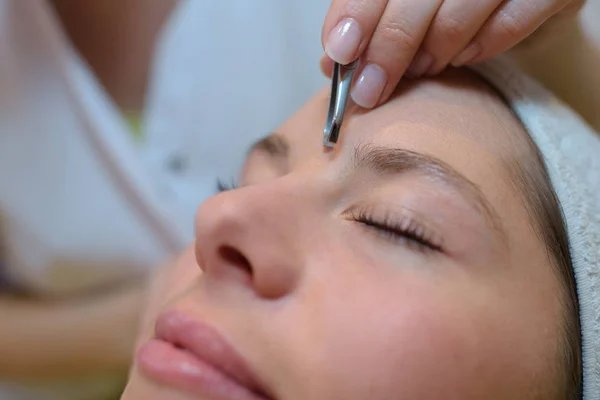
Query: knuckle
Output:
(397,33)
(510,25)
(450,30)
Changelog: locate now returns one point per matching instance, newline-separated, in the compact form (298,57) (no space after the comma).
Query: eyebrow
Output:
(392,161)
(274,145)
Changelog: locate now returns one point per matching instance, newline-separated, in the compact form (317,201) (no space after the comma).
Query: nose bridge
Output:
(263,225)
(266,208)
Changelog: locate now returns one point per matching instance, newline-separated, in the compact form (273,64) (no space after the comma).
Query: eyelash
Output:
(406,230)
(223,186)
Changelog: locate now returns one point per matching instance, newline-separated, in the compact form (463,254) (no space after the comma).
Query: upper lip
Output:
(208,344)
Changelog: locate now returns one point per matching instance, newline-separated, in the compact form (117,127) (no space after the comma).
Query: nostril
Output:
(234,257)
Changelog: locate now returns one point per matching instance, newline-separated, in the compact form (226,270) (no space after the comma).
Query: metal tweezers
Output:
(341,83)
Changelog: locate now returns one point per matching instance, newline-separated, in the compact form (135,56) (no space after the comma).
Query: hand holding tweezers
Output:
(341,84)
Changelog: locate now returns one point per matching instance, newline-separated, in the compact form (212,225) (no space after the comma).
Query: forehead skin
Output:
(458,105)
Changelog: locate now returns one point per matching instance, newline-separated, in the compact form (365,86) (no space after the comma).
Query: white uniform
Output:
(81,204)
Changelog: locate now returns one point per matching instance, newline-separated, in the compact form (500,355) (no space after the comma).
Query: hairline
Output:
(524,172)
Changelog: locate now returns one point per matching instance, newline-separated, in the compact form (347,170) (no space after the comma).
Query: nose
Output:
(251,237)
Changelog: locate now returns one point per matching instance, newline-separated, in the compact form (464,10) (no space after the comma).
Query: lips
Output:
(193,356)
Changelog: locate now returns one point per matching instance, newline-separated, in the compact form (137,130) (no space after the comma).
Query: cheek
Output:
(409,348)
(408,339)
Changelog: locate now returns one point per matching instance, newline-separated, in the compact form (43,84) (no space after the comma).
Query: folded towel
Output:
(572,153)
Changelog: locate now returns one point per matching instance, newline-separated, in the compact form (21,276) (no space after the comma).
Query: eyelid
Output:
(396,161)
(403,223)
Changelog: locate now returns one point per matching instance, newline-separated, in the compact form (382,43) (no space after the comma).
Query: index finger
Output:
(349,26)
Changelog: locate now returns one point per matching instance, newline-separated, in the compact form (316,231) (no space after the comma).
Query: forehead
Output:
(453,115)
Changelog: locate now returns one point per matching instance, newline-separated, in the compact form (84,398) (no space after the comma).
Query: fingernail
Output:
(369,86)
(467,55)
(343,41)
(420,64)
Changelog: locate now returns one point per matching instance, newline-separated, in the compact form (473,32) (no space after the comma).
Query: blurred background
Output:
(117,118)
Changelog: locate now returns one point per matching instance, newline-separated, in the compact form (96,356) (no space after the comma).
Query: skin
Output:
(328,308)
(117,39)
(572,47)
(42,340)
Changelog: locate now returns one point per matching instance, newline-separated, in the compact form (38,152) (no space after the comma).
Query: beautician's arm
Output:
(566,59)
(45,340)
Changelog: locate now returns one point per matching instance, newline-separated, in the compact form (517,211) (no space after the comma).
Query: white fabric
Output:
(81,204)
(572,153)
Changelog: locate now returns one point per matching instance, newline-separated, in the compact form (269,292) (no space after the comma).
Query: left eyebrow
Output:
(392,161)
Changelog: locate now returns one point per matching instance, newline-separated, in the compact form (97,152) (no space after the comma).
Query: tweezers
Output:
(341,83)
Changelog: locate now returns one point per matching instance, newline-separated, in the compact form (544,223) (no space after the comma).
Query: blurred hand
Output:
(422,37)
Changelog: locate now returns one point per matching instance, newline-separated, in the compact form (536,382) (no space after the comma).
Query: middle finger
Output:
(396,40)
(455,24)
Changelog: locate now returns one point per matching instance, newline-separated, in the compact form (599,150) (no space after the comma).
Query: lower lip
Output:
(172,366)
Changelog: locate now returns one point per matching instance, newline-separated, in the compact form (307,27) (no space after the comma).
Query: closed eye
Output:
(404,229)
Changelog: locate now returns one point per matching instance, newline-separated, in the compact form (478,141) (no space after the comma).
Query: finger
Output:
(393,45)
(348,27)
(326,66)
(510,23)
(572,8)
(452,29)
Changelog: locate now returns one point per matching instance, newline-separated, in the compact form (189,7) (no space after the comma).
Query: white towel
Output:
(572,153)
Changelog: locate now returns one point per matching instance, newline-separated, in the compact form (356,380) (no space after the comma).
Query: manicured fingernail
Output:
(420,64)
(467,55)
(343,41)
(369,86)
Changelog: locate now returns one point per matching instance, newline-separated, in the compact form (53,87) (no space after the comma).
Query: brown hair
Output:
(545,212)
(529,173)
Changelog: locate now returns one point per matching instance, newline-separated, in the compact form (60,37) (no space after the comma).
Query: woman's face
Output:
(401,265)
